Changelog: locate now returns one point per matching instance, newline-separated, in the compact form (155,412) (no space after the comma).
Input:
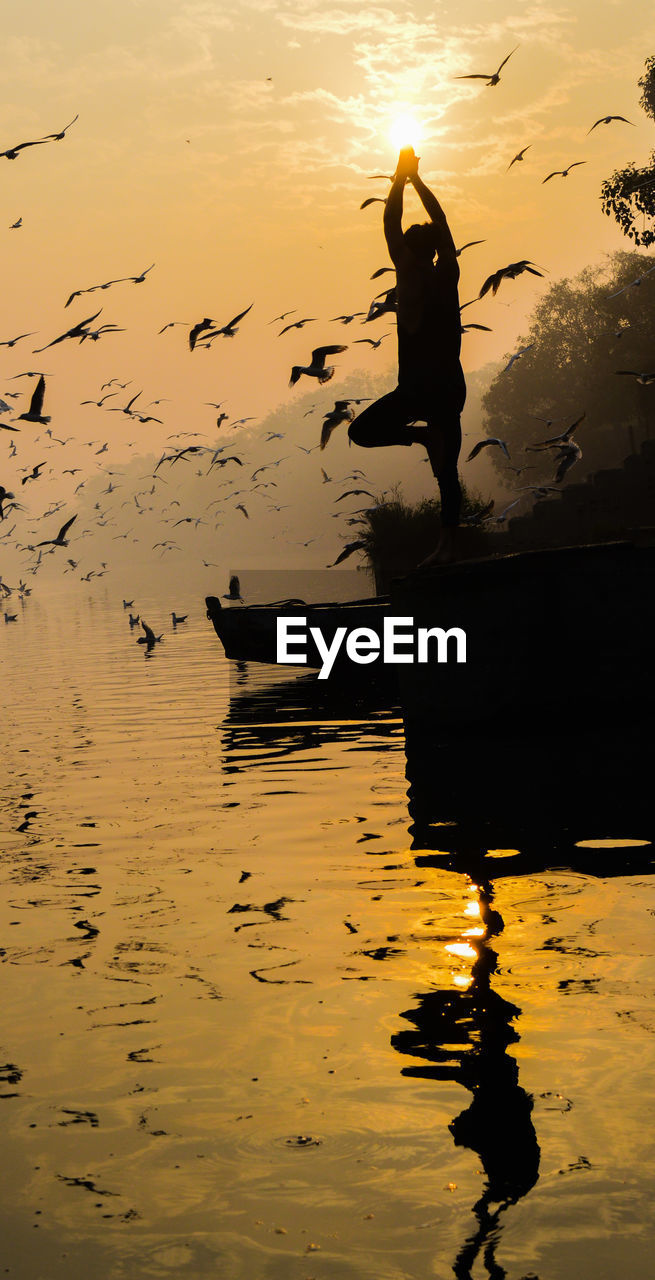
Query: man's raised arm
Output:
(445,242)
(393,217)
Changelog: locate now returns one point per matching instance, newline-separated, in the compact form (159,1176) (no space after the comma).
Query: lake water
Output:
(259,1021)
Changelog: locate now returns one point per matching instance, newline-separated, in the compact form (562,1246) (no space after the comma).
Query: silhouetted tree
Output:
(581,336)
(629,195)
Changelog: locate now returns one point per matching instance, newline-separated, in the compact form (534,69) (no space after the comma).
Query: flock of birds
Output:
(213,457)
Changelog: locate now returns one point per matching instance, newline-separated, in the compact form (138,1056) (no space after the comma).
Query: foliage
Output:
(397,535)
(581,336)
(629,195)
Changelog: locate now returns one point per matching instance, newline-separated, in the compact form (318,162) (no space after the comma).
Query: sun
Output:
(405,131)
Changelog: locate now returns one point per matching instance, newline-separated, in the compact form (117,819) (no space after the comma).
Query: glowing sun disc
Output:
(405,131)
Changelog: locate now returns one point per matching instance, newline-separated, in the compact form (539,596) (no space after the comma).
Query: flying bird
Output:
(482,444)
(494,77)
(554,441)
(355,493)
(34,413)
(644,379)
(469,245)
(348,550)
(317,367)
(374,342)
(607,120)
(568,455)
(517,356)
(197,329)
(61,539)
(34,473)
(297,324)
(234,590)
(509,272)
(57,137)
(78,330)
(519,156)
(11,342)
(228,330)
(563,173)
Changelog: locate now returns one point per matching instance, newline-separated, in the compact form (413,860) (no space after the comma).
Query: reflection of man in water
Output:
(464,1036)
(431,385)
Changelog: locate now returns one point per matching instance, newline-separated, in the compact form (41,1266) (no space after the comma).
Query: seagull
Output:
(347,551)
(568,455)
(553,441)
(149,639)
(11,342)
(380,308)
(517,355)
(347,319)
(469,244)
(342,412)
(644,379)
(509,272)
(297,324)
(177,618)
(519,156)
(490,79)
(355,493)
(197,329)
(607,120)
(374,342)
(60,540)
(563,173)
(283,316)
(78,330)
(228,330)
(482,444)
(317,367)
(234,590)
(36,404)
(133,621)
(13,226)
(240,507)
(57,137)
(34,474)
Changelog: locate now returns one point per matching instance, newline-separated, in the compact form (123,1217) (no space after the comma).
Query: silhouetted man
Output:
(431,386)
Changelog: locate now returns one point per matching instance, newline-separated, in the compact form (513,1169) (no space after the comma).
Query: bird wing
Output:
(474,77)
(348,551)
(492,282)
(506,59)
(557,173)
(149,633)
(476,449)
(36,403)
(239,317)
(319,354)
(64,529)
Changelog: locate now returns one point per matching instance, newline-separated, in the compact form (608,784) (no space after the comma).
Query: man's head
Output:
(420,239)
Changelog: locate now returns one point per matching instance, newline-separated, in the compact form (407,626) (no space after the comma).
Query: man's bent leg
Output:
(384,423)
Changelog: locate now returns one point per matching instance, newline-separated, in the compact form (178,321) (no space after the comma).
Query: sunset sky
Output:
(232,147)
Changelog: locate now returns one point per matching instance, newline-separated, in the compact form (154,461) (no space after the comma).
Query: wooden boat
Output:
(248,633)
(552,636)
